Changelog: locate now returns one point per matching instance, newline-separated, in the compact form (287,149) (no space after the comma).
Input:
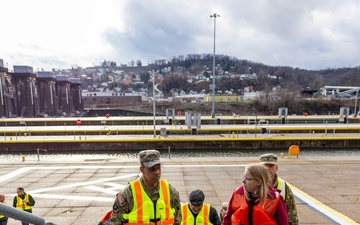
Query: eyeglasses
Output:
(248,179)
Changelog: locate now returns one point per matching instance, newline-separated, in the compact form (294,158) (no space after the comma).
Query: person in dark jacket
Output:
(198,212)
(23,201)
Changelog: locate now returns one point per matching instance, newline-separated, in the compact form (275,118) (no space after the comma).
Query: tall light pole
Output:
(213,73)
(154,99)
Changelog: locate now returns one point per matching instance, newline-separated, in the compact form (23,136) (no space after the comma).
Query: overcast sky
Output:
(309,34)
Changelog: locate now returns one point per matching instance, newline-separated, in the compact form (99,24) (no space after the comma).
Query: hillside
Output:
(193,74)
(319,107)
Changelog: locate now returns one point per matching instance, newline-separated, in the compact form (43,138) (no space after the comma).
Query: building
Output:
(26,97)
(47,94)
(76,94)
(63,93)
(222,98)
(24,93)
(106,99)
(7,93)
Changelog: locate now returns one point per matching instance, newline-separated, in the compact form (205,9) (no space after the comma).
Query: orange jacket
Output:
(262,212)
(279,212)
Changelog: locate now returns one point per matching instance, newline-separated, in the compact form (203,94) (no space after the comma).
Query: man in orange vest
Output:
(23,201)
(148,200)
(197,212)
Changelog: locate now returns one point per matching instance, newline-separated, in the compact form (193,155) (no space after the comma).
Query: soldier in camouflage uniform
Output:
(270,162)
(150,167)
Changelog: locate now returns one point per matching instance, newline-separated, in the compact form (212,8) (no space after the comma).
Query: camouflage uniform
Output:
(290,203)
(271,159)
(124,203)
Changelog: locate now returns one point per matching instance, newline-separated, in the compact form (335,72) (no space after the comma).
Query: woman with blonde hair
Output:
(256,202)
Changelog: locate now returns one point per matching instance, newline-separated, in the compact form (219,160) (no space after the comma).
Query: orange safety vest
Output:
(262,213)
(203,217)
(20,204)
(145,212)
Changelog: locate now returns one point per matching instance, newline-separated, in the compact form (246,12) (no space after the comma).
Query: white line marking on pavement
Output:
(74,197)
(319,206)
(100,189)
(115,185)
(83,183)
(14,173)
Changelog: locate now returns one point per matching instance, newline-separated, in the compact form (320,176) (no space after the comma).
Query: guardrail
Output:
(16,214)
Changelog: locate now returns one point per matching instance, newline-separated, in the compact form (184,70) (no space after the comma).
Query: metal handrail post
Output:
(22,215)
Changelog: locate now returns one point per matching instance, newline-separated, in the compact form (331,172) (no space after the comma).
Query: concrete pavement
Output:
(81,190)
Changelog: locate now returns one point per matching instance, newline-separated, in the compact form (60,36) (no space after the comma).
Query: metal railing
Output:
(16,214)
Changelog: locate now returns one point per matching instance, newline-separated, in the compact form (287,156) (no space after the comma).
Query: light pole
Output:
(154,99)
(213,73)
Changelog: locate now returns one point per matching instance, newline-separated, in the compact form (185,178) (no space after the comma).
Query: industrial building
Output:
(24,93)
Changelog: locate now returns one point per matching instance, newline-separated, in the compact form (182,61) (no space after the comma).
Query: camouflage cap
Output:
(268,158)
(149,157)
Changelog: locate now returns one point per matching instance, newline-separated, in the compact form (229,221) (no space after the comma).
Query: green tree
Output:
(138,63)
(145,77)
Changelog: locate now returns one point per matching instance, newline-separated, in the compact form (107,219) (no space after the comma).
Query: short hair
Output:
(20,188)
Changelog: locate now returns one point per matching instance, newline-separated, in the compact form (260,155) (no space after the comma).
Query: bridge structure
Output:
(338,91)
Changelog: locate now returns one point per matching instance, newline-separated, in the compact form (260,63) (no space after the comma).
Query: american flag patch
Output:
(120,198)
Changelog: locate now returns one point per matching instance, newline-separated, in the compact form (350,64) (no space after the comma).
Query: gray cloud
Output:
(305,34)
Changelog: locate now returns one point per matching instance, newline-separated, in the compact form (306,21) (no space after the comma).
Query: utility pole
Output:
(213,73)
(154,99)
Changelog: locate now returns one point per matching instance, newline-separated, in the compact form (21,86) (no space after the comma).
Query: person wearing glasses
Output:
(148,200)
(197,212)
(256,202)
(269,160)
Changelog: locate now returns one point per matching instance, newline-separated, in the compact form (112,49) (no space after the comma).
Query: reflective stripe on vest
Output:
(262,213)
(203,217)
(144,212)
(20,204)
(281,186)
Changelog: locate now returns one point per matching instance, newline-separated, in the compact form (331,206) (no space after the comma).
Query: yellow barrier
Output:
(294,150)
